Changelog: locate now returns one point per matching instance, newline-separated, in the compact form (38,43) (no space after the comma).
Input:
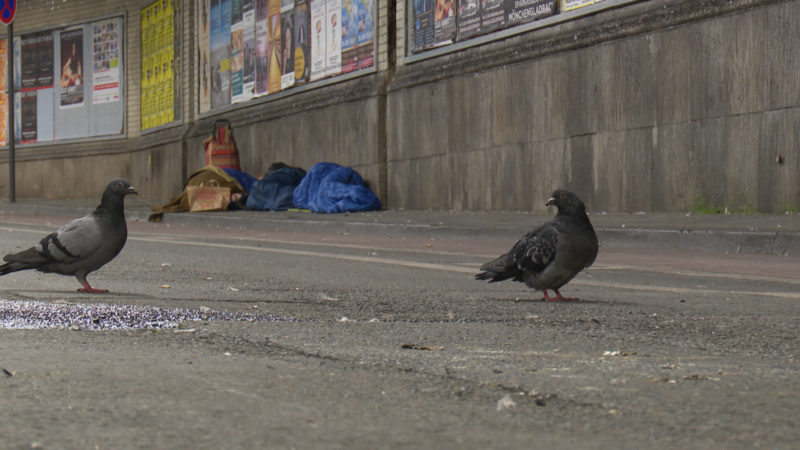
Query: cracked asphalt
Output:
(247,338)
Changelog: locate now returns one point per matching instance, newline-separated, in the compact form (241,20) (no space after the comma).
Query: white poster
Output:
(105,61)
(318,40)
(333,62)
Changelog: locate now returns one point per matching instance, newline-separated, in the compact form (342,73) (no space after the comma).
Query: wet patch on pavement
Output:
(23,314)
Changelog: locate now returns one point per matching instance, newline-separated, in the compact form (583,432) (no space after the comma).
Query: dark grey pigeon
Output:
(82,245)
(551,255)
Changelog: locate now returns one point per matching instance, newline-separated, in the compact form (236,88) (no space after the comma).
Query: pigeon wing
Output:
(536,250)
(74,241)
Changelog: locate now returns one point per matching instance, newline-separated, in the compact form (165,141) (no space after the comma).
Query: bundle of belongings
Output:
(331,188)
(208,189)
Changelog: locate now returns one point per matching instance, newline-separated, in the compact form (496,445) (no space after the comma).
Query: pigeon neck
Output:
(111,204)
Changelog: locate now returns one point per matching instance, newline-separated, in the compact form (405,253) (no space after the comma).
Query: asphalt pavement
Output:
(763,234)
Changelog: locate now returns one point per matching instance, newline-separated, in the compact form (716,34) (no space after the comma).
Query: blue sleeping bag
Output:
(331,188)
(275,191)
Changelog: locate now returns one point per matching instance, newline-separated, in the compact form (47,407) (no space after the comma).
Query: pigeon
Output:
(82,245)
(551,255)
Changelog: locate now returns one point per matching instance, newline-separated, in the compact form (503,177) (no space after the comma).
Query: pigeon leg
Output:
(560,297)
(547,298)
(86,288)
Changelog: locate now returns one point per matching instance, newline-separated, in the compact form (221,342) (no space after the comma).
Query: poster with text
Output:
(523,11)
(204,55)
(469,19)
(237,57)
(444,21)
(493,15)
(275,47)
(349,51)
(287,43)
(220,53)
(71,80)
(365,35)
(37,61)
(333,63)
(105,61)
(26,116)
(319,44)
(302,23)
(567,5)
(262,48)
(248,49)
(423,25)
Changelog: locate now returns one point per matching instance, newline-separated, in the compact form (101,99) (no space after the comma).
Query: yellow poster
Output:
(566,5)
(158,50)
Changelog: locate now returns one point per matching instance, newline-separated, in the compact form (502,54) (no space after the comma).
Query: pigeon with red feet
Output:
(82,245)
(551,255)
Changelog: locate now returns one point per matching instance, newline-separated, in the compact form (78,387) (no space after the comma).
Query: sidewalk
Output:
(748,234)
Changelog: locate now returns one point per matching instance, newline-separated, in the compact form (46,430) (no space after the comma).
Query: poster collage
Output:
(39,98)
(442,22)
(253,48)
(157,102)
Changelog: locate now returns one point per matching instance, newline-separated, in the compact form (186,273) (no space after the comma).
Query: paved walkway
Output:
(748,234)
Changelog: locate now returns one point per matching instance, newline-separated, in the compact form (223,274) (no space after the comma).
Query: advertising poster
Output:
(365,35)
(302,23)
(287,44)
(567,5)
(349,52)
(27,116)
(522,11)
(37,61)
(105,61)
(493,15)
(423,25)
(275,47)
(444,16)
(204,55)
(237,57)
(71,79)
(249,49)
(319,45)
(469,19)
(262,48)
(220,53)
(333,63)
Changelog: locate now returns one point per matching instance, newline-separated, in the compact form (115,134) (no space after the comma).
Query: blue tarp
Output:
(331,188)
(244,178)
(275,191)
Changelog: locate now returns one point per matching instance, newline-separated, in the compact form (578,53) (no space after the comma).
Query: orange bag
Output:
(221,147)
(208,197)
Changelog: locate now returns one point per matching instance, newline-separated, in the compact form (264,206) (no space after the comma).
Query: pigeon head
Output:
(114,194)
(566,202)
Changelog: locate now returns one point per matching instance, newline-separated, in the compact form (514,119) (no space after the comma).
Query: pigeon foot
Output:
(90,290)
(558,297)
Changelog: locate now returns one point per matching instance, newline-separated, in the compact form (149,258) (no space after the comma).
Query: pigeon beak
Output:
(132,190)
(550,201)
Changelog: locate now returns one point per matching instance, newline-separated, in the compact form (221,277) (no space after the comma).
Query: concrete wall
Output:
(660,105)
(652,106)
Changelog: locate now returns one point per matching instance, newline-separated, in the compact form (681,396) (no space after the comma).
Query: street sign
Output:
(8,9)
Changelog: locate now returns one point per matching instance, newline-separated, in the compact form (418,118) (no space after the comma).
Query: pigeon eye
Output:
(562,195)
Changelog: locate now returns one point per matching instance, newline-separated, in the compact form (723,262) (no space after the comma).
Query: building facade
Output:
(637,105)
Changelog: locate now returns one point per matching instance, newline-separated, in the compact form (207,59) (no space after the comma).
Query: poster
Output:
(249,49)
(26,118)
(37,61)
(204,55)
(349,17)
(220,53)
(469,19)
(365,35)
(275,48)
(319,46)
(287,44)
(333,57)
(302,23)
(444,20)
(237,57)
(423,25)
(522,11)
(567,5)
(262,48)
(158,97)
(493,15)
(71,78)
(105,61)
